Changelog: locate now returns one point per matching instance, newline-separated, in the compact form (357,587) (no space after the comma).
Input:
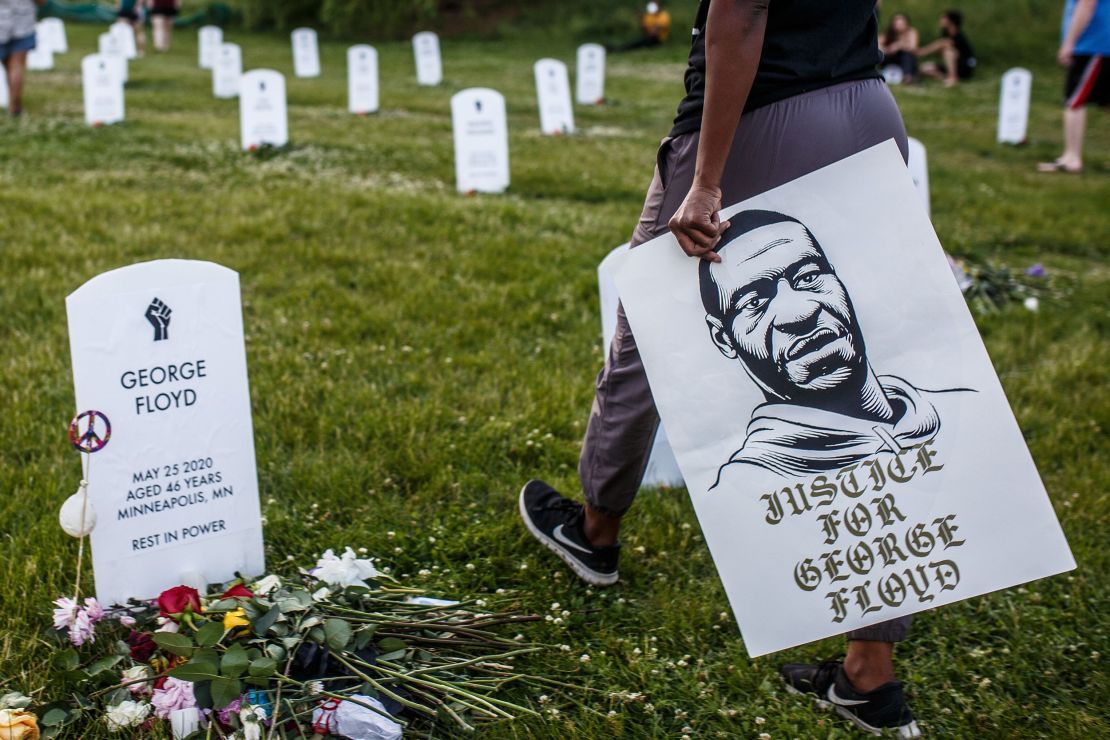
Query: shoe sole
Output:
(906,732)
(588,575)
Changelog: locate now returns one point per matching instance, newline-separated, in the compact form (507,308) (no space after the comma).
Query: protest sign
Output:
(589,74)
(481,141)
(839,483)
(429,66)
(362,79)
(102,90)
(157,349)
(262,110)
(1013,106)
(306,53)
(553,97)
(227,70)
(209,39)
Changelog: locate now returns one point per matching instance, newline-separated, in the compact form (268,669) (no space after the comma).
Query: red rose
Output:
(237,591)
(142,645)
(177,600)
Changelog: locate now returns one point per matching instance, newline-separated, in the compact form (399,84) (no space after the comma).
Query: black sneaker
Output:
(556,522)
(876,711)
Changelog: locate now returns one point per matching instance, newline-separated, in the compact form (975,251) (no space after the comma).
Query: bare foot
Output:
(1060,165)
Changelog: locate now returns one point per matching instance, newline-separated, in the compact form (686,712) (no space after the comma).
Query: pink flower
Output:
(232,708)
(94,609)
(127,620)
(174,694)
(65,613)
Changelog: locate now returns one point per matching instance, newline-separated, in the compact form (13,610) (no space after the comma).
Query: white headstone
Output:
(52,32)
(919,171)
(103,90)
(3,91)
(553,95)
(589,82)
(227,70)
(362,79)
(1013,106)
(209,39)
(306,53)
(126,34)
(481,135)
(262,113)
(662,468)
(893,74)
(429,65)
(158,349)
(111,47)
(41,57)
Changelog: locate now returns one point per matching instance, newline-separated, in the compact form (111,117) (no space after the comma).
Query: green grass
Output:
(416,355)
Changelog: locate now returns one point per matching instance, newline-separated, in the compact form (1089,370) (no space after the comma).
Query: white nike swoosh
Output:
(558,535)
(843,702)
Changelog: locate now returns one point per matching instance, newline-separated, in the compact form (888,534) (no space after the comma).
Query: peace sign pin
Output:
(98,430)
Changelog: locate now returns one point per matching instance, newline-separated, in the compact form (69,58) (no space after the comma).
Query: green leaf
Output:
(174,643)
(225,691)
(317,635)
(196,671)
(202,691)
(338,633)
(266,621)
(206,655)
(67,660)
(395,655)
(234,663)
(104,664)
(391,644)
(364,636)
(55,716)
(210,634)
(263,667)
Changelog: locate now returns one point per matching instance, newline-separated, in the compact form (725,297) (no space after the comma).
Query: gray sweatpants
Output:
(773,145)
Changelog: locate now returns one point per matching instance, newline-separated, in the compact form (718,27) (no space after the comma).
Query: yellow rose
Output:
(235,621)
(18,725)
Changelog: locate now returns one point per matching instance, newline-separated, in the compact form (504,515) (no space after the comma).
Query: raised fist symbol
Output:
(158,314)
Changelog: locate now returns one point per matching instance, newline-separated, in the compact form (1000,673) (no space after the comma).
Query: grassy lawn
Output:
(415,355)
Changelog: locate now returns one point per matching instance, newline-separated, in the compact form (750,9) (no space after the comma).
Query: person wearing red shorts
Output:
(1085,51)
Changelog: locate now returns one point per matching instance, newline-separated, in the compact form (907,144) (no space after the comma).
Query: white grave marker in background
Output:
(481,140)
(41,57)
(52,32)
(126,34)
(209,39)
(553,95)
(3,91)
(1013,106)
(306,53)
(589,74)
(429,65)
(919,171)
(111,47)
(362,79)
(662,468)
(158,349)
(227,70)
(103,90)
(262,114)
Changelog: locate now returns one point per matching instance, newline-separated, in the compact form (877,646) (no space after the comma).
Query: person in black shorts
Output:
(957,57)
(162,13)
(1085,51)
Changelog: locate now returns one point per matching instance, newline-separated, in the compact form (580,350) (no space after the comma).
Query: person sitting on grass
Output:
(957,57)
(1085,52)
(899,46)
(655,27)
(17,37)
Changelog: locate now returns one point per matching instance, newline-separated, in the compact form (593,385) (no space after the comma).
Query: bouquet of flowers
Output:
(340,650)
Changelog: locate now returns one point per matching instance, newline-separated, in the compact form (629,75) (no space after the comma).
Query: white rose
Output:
(136,673)
(345,570)
(265,585)
(126,714)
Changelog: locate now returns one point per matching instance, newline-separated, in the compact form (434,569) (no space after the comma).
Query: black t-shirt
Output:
(965,55)
(809,44)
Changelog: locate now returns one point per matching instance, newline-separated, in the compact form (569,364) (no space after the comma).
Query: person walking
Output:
(17,37)
(1085,52)
(162,14)
(774,90)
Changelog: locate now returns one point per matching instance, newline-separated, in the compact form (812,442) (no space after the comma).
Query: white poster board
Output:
(110,47)
(481,135)
(553,96)
(262,110)
(1013,106)
(429,65)
(306,53)
(209,39)
(52,33)
(102,89)
(40,58)
(126,35)
(362,79)
(227,70)
(158,349)
(589,75)
(662,468)
(918,164)
(839,483)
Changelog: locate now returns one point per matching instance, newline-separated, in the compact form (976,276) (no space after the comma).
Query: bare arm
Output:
(1080,19)
(734,33)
